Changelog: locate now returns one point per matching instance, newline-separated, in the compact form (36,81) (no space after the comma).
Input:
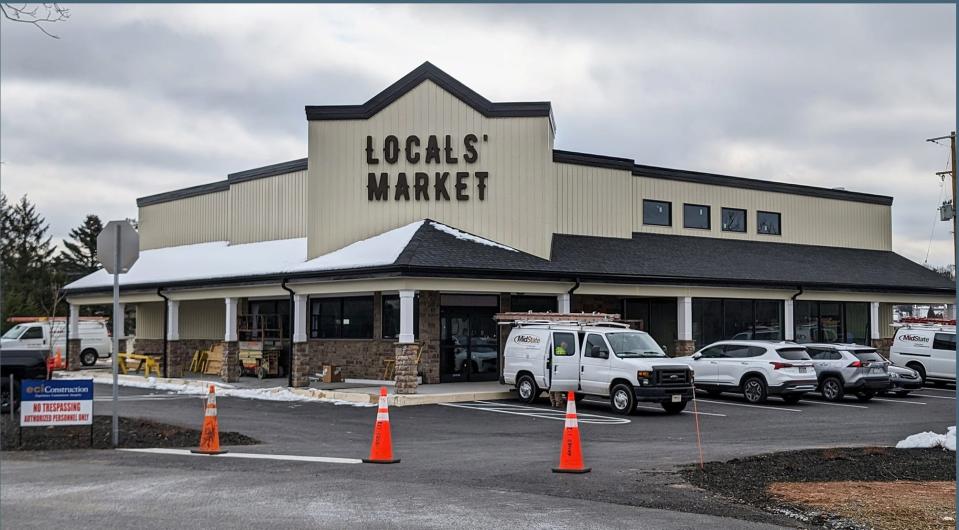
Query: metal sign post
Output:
(118,248)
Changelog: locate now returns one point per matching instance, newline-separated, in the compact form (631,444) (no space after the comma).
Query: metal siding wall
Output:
(202,319)
(593,201)
(268,208)
(805,220)
(187,221)
(519,194)
(886,331)
(149,323)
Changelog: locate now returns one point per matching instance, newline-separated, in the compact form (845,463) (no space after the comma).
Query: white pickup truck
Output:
(95,341)
(608,360)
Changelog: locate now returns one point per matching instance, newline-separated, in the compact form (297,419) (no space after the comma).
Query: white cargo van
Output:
(928,349)
(609,360)
(95,341)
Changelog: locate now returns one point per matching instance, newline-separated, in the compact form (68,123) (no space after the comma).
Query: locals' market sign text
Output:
(427,184)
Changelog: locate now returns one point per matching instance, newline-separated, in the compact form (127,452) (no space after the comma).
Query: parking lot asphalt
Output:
(471,464)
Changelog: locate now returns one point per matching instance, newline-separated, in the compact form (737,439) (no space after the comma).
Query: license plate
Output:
(677,398)
(802,369)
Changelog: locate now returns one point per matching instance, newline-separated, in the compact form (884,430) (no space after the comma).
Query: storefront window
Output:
(737,319)
(536,304)
(391,316)
(696,216)
(657,213)
(656,316)
(831,322)
(734,220)
(342,318)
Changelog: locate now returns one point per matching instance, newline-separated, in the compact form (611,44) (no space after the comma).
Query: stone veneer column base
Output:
(72,355)
(301,365)
(406,368)
(682,348)
(230,372)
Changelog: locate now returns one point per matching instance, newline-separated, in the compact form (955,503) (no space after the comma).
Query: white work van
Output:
(94,338)
(608,360)
(927,349)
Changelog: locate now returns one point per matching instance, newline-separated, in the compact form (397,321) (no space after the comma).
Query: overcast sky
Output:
(135,100)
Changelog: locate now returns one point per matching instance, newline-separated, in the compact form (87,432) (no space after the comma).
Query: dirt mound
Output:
(134,432)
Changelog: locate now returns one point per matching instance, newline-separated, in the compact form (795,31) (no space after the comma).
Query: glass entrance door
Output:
(469,344)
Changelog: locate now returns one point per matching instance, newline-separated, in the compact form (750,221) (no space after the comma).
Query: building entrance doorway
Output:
(469,340)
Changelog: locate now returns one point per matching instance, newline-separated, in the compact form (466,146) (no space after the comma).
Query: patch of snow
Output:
(458,234)
(382,249)
(219,259)
(929,439)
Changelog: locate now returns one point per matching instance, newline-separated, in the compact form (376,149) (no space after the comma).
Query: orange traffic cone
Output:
(571,454)
(210,437)
(381,452)
(59,363)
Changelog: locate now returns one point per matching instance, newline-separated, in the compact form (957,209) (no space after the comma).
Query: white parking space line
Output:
(903,401)
(933,397)
(148,398)
(817,402)
(254,456)
(535,412)
(933,389)
(701,413)
(783,409)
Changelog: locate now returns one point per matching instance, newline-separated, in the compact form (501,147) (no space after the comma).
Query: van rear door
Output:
(564,357)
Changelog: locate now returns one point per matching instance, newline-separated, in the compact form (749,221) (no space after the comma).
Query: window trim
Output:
(745,229)
(777,214)
(669,213)
(709,216)
(341,300)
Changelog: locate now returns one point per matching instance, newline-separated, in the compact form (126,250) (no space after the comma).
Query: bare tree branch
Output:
(36,14)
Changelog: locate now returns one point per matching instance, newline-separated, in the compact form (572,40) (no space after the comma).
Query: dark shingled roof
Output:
(656,258)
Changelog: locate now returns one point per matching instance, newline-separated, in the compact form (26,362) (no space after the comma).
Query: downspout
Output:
(798,293)
(66,354)
(793,298)
(166,316)
(289,351)
(570,291)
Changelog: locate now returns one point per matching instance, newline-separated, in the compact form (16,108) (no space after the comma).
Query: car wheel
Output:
(622,400)
(754,389)
(918,368)
(902,393)
(672,407)
(791,399)
(865,396)
(6,400)
(526,388)
(88,357)
(832,389)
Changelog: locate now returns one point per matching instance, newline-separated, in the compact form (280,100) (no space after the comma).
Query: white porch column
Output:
(562,303)
(230,334)
(684,318)
(173,320)
(950,312)
(299,317)
(406,317)
(789,320)
(874,321)
(74,322)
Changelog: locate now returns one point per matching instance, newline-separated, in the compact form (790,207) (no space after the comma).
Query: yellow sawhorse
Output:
(147,363)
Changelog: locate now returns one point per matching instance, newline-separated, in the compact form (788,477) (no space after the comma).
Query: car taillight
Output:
(777,366)
(855,364)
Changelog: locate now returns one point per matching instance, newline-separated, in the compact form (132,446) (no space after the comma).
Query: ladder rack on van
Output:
(568,319)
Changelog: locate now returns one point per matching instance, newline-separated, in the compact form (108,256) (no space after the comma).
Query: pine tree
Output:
(80,256)
(29,279)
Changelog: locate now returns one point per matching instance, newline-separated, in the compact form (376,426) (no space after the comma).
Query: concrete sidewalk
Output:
(360,393)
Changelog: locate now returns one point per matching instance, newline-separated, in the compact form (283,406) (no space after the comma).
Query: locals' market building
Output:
(418,215)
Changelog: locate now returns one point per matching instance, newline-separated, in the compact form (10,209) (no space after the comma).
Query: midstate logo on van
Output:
(526,339)
(914,338)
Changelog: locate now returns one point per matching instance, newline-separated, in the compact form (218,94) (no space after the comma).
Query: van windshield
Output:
(14,332)
(634,345)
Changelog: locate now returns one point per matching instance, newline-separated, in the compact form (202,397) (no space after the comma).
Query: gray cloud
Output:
(134,100)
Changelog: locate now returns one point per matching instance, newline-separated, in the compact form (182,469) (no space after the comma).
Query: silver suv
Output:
(849,368)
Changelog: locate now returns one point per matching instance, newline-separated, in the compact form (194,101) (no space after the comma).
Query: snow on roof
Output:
(459,234)
(219,259)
